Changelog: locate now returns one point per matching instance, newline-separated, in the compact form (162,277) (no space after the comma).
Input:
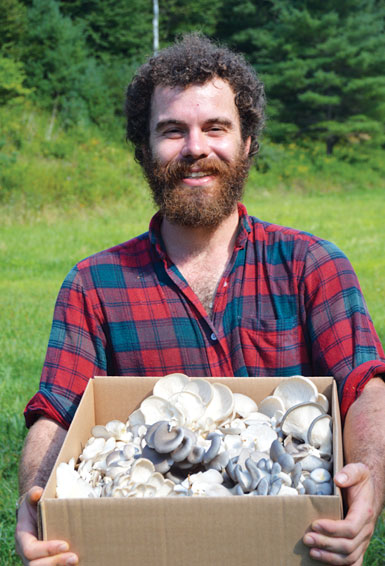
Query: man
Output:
(210,291)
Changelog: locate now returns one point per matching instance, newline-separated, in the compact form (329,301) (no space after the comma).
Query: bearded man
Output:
(210,291)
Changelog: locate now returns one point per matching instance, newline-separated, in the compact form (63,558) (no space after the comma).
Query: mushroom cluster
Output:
(193,437)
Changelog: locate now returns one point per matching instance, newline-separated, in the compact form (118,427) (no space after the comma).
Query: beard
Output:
(197,206)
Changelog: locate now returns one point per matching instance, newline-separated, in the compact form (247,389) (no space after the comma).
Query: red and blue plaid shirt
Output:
(288,303)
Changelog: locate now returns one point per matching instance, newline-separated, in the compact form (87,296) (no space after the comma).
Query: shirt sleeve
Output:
(76,353)
(343,340)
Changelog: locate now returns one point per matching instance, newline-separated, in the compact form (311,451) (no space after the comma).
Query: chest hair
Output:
(203,279)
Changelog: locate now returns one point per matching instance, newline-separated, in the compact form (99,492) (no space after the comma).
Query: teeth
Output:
(196,174)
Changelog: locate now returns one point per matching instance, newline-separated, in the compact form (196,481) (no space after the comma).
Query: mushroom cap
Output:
(189,404)
(200,387)
(296,389)
(221,405)
(244,405)
(158,409)
(262,435)
(323,401)
(170,384)
(166,438)
(298,418)
(320,434)
(270,405)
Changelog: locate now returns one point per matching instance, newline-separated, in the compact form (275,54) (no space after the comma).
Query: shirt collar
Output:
(157,240)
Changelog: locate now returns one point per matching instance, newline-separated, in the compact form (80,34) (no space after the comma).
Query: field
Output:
(64,200)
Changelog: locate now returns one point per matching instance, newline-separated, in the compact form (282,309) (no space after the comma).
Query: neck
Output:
(186,242)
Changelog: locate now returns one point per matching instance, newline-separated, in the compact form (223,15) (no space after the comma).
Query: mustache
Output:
(176,170)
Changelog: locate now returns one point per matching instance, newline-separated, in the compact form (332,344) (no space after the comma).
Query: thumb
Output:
(352,474)
(34,494)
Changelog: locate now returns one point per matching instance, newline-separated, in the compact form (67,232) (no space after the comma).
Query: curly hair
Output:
(194,59)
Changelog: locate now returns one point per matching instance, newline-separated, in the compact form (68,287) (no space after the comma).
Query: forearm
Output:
(40,451)
(364,435)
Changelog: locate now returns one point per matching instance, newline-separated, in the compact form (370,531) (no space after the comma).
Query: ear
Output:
(247,146)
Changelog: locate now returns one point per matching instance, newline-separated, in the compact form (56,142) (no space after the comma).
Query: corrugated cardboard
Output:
(199,531)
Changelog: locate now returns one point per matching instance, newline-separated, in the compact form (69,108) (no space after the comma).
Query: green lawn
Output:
(38,247)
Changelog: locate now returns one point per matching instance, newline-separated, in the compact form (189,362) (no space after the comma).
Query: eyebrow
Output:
(219,120)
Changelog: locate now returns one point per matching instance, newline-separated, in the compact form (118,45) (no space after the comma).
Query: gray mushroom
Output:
(166,439)
(220,461)
(276,450)
(214,447)
(183,450)
(196,455)
(162,463)
(286,462)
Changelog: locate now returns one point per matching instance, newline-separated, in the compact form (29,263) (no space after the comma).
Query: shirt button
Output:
(213,337)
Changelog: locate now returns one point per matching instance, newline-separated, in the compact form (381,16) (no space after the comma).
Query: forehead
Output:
(195,102)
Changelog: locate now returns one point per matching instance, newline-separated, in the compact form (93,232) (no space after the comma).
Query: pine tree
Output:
(322,63)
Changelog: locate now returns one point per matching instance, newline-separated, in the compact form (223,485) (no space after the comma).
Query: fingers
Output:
(345,541)
(49,553)
(34,494)
(352,474)
(32,551)
(343,550)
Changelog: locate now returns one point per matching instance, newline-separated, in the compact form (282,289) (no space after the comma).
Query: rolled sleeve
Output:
(355,382)
(76,352)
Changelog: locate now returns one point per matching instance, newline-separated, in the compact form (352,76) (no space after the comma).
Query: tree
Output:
(114,28)
(322,63)
(181,16)
(13,25)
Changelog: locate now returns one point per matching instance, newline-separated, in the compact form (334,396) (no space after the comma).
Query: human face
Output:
(197,162)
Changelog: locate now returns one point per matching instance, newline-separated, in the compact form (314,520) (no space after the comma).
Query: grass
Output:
(82,192)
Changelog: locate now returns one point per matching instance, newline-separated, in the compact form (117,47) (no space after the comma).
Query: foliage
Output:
(113,28)
(13,25)
(182,16)
(322,63)
(12,77)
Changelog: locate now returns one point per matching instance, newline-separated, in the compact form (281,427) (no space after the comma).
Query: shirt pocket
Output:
(273,347)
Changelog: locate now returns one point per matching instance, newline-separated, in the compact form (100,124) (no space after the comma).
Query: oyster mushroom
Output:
(200,387)
(221,404)
(214,448)
(244,405)
(189,404)
(298,418)
(167,438)
(270,405)
(162,462)
(296,389)
(182,451)
(170,384)
(320,434)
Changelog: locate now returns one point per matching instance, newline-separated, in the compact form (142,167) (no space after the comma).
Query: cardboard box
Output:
(193,531)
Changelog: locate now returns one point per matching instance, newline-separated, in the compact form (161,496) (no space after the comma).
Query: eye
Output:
(172,133)
(216,129)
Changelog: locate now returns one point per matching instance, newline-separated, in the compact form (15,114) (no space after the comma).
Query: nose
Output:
(195,145)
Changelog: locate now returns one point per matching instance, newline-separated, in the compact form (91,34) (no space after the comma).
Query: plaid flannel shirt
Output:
(288,303)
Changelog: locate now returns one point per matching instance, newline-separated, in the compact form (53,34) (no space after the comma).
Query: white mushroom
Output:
(170,384)
(200,387)
(296,421)
(320,434)
(221,405)
(270,405)
(244,405)
(296,389)
(158,409)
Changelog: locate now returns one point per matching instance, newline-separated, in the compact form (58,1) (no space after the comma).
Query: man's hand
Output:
(32,551)
(345,542)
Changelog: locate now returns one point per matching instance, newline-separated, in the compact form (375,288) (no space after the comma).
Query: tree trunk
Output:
(155,26)
(330,143)
(53,118)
